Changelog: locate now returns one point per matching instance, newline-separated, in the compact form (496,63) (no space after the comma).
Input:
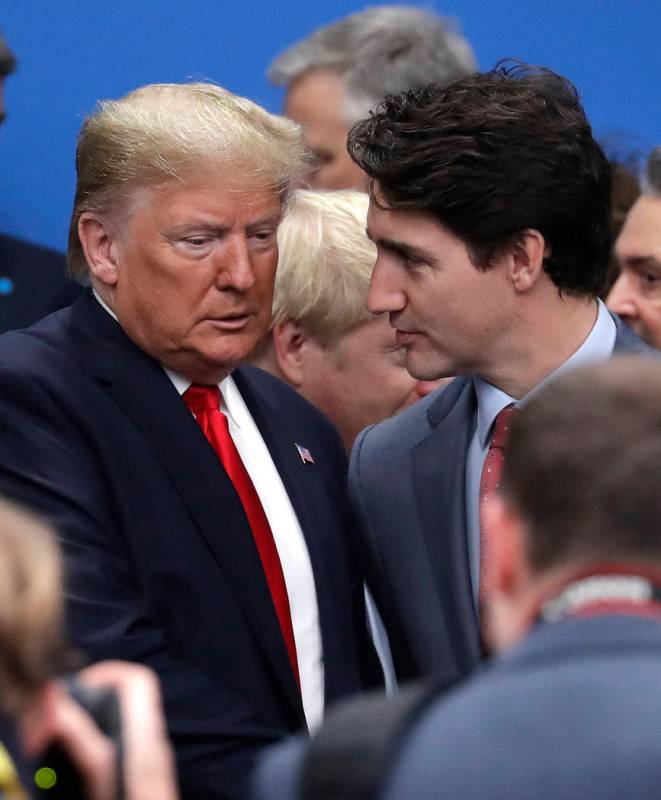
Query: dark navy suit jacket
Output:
(572,713)
(407,481)
(33,282)
(161,564)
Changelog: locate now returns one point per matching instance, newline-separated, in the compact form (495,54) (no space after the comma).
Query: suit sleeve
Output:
(47,464)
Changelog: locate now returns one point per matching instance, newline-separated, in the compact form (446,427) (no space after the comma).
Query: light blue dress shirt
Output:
(491,401)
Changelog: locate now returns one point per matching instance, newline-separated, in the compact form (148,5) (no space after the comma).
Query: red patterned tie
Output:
(203,401)
(489,482)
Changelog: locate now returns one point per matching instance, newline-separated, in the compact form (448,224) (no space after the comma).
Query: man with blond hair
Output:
(201,504)
(324,342)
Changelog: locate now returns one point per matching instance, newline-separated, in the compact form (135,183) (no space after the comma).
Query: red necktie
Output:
(489,482)
(203,401)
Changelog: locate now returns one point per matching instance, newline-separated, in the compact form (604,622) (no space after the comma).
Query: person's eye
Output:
(650,282)
(197,241)
(264,238)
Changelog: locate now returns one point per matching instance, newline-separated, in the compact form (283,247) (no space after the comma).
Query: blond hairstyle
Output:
(325,264)
(168,131)
(31,607)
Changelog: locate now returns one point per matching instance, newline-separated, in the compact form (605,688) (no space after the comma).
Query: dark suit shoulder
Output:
(34,283)
(28,348)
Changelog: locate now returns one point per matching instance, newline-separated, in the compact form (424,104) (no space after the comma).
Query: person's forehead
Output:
(317,98)
(205,190)
(391,223)
(641,234)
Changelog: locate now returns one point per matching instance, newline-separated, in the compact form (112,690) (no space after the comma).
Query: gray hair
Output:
(651,178)
(380,51)
(170,131)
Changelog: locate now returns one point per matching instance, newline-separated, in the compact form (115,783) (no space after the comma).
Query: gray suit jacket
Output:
(572,713)
(407,484)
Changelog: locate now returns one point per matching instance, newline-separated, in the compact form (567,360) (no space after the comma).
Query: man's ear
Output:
(289,339)
(99,246)
(507,573)
(505,556)
(527,259)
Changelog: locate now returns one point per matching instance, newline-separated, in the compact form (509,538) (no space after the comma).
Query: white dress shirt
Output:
(287,534)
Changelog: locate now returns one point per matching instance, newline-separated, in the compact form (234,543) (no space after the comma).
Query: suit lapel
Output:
(439,479)
(140,386)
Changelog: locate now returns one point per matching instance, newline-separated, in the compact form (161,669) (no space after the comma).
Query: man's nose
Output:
(622,297)
(235,267)
(385,295)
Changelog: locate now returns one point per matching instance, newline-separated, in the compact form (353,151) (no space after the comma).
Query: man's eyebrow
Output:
(643,262)
(400,248)
(197,225)
(267,219)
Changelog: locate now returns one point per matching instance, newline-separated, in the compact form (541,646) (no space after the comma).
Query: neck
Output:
(547,332)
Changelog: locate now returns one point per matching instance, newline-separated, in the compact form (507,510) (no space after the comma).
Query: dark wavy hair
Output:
(492,155)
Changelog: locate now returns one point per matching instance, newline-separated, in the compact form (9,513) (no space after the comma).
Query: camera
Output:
(55,776)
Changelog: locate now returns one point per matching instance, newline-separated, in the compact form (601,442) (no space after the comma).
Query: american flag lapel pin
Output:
(304,453)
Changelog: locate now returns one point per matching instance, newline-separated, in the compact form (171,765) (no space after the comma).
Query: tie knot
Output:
(501,427)
(200,398)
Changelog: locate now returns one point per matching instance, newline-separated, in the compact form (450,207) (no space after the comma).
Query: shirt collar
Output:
(104,305)
(598,346)
(228,392)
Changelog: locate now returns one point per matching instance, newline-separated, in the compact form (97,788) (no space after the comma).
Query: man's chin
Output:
(425,369)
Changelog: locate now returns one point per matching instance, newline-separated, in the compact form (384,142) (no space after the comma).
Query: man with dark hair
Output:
(33,279)
(636,294)
(490,210)
(570,709)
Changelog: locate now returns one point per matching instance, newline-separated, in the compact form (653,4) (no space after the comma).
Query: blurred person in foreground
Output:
(570,706)
(323,340)
(636,294)
(35,708)
(33,279)
(490,211)
(338,73)
(201,504)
